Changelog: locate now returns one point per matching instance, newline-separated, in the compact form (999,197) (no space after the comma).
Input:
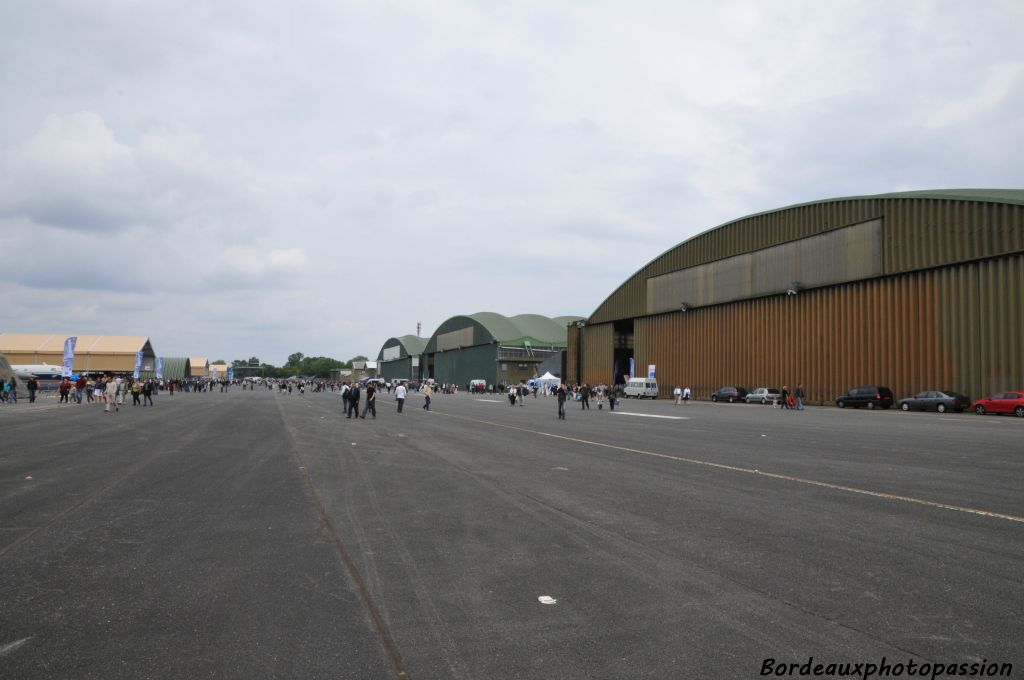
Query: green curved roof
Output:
(518,331)
(412,345)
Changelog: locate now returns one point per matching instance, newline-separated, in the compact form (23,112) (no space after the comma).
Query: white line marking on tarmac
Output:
(760,473)
(649,415)
(8,648)
(492,401)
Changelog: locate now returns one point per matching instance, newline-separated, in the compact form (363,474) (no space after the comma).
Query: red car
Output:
(1001,402)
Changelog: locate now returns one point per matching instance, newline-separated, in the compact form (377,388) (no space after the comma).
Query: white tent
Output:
(548,380)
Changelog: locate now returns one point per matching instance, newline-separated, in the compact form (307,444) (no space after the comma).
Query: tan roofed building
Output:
(93,353)
(200,367)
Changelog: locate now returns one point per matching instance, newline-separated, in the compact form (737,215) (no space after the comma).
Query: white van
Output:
(641,387)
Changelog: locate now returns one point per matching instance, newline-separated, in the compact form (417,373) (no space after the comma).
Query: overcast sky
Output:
(250,178)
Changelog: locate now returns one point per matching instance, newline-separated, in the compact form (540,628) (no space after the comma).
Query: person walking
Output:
(686,396)
(371,401)
(678,392)
(800,396)
(136,391)
(400,396)
(65,389)
(80,385)
(32,386)
(585,397)
(111,395)
(353,400)
(426,394)
(12,386)
(784,397)
(561,402)
(147,392)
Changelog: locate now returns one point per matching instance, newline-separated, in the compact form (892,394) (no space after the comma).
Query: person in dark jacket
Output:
(371,401)
(561,402)
(353,401)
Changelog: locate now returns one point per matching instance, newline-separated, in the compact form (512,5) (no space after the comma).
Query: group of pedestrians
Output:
(351,395)
(794,401)
(9,390)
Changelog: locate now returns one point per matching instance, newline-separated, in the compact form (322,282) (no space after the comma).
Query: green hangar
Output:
(400,358)
(492,347)
(913,291)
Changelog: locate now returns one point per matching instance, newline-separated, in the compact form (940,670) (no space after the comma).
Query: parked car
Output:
(764,395)
(1001,402)
(729,394)
(871,396)
(935,400)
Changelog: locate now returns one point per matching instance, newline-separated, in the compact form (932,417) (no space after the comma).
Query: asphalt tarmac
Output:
(259,535)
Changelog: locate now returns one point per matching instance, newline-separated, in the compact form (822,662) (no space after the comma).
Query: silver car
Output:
(764,395)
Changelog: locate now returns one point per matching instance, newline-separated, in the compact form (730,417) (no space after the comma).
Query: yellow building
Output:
(93,353)
(200,367)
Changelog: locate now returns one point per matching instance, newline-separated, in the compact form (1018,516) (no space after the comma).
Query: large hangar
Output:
(93,353)
(492,347)
(910,290)
(400,357)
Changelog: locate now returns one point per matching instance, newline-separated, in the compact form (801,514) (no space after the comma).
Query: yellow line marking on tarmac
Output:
(760,473)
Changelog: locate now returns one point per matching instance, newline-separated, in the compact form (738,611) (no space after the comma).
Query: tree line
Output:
(298,364)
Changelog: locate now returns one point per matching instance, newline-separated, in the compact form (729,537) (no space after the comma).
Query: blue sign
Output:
(138,364)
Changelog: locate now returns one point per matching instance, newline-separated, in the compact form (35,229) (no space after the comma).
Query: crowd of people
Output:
(113,391)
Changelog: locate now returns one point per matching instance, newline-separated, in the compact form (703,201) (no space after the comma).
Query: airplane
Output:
(39,371)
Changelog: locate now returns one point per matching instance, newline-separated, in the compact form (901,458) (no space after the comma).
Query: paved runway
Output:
(258,535)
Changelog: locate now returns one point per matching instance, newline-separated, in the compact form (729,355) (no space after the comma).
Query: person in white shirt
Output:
(678,392)
(686,395)
(400,396)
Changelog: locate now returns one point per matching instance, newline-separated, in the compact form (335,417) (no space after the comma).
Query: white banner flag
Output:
(69,357)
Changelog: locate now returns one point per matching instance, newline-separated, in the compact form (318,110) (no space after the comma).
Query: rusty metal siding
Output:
(918,233)
(957,328)
(572,353)
(598,349)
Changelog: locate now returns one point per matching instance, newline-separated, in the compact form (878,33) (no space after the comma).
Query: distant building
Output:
(93,353)
(492,347)
(400,357)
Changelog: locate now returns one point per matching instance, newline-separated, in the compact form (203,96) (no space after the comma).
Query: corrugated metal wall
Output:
(917,233)
(459,366)
(572,353)
(957,328)
(598,353)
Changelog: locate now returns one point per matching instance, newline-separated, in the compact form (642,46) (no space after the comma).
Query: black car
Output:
(936,400)
(729,394)
(870,396)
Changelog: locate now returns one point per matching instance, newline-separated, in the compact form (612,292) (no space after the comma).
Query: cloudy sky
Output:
(252,178)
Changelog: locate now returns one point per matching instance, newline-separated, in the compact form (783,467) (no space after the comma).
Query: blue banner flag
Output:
(69,357)
(632,367)
(138,364)
(650,371)
(159,368)
(231,373)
